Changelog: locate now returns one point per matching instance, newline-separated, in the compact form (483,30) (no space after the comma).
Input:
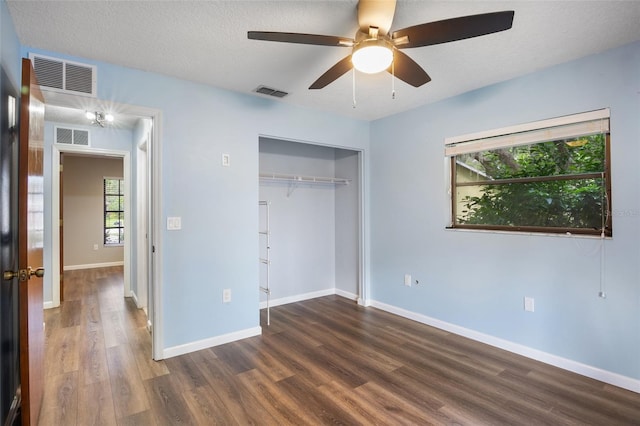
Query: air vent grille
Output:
(49,72)
(79,78)
(65,76)
(72,136)
(271,92)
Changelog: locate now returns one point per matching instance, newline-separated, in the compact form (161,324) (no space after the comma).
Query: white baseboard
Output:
(134,296)
(308,296)
(557,361)
(210,342)
(49,305)
(93,265)
(346,294)
(298,298)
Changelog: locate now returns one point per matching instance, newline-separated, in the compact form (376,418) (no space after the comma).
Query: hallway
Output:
(98,354)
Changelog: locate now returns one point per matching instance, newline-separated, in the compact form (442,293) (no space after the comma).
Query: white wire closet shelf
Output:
(281,177)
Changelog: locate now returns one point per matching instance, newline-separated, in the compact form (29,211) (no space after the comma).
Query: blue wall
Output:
(218,206)
(478,280)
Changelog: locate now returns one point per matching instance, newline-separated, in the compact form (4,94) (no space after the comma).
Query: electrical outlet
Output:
(226,295)
(95,247)
(226,160)
(407,280)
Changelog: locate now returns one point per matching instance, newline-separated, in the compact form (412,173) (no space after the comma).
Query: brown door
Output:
(9,305)
(30,244)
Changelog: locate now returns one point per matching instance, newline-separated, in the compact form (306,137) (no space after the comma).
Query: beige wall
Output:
(83,210)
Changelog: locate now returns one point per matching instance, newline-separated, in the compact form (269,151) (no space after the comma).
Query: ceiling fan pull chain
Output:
(393,76)
(354,87)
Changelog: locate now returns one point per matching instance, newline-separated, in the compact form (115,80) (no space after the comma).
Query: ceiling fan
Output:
(375,49)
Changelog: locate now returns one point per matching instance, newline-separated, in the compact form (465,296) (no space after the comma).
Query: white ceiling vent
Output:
(64,76)
(68,136)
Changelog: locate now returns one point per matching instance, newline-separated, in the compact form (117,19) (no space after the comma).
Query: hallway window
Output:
(113,211)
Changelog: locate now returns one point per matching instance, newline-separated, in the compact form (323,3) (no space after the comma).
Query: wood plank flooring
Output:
(323,361)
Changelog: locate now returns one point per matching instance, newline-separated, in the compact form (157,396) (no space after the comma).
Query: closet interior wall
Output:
(314,227)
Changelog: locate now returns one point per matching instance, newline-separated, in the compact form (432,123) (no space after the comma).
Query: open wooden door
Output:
(9,307)
(30,244)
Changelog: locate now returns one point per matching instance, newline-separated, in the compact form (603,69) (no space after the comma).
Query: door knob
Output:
(23,274)
(38,272)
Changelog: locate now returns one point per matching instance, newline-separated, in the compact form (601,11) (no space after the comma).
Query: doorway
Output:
(147,123)
(313,194)
(94,210)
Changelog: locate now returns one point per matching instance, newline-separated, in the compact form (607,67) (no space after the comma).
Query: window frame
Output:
(121,211)
(523,135)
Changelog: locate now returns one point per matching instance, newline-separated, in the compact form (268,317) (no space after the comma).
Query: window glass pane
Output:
(112,203)
(111,236)
(112,220)
(563,203)
(564,157)
(111,186)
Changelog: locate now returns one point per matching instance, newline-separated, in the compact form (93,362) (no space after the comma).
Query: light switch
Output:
(529,304)
(226,160)
(174,223)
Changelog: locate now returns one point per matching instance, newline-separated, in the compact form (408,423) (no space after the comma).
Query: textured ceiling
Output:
(206,41)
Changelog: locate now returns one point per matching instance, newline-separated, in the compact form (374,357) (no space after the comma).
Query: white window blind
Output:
(567,127)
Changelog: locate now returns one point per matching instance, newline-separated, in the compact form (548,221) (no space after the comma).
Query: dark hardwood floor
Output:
(323,361)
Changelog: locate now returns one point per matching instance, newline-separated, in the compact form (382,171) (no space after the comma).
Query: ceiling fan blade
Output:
(316,39)
(454,29)
(333,73)
(407,70)
(376,13)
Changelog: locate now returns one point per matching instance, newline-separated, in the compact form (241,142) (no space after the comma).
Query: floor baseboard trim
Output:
(298,298)
(308,296)
(49,305)
(346,294)
(557,361)
(211,342)
(93,265)
(134,296)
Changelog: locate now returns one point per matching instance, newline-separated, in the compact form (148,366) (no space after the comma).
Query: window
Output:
(547,176)
(113,211)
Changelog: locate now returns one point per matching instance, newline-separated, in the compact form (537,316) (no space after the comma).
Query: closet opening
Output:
(310,222)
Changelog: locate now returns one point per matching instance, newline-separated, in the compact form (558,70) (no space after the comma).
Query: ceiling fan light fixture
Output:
(372,56)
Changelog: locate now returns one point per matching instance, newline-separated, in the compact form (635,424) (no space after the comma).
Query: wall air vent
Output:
(67,136)
(271,92)
(64,76)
